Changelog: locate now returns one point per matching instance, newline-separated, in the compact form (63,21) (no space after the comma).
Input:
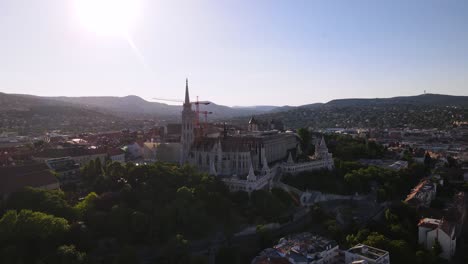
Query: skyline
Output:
(262,53)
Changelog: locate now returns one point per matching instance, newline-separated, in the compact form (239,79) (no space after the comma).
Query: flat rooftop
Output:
(367,251)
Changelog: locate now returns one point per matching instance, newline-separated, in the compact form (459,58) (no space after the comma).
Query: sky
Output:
(238,52)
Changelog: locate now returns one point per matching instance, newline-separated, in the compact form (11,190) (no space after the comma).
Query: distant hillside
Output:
(136,107)
(422,111)
(424,99)
(264,108)
(32,114)
(28,113)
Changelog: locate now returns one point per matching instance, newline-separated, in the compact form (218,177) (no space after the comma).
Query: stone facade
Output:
(244,160)
(322,159)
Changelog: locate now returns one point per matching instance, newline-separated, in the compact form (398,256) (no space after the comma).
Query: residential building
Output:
(302,248)
(116,154)
(14,178)
(68,171)
(134,150)
(80,155)
(149,150)
(423,194)
(430,230)
(366,254)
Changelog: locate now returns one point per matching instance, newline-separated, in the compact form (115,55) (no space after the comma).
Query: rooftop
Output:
(14,178)
(432,223)
(68,152)
(304,246)
(368,251)
(423,186)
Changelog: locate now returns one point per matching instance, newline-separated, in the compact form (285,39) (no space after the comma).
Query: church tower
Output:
(188,118)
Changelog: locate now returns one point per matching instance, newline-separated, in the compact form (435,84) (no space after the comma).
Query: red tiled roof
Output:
(416,190)
(68,152)
(16,177)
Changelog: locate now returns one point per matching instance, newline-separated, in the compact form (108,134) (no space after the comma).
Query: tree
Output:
(27,224)
(27,236)
(227,255)
(98,166)
(175,251)
(427,160)
(305,137)
(451,162)
(265,236)
(47,201)
(436,248)
(377,240)
(127,256)
(68,254)
(86,204)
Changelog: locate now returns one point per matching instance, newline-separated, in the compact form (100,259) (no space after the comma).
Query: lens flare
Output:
(108,17)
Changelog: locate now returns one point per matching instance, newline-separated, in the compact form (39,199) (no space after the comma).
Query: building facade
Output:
(188,133)
(248,160)
(431,230)
(322,159)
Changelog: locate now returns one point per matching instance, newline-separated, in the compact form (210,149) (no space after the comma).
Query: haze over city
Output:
(233,131)
(234,52)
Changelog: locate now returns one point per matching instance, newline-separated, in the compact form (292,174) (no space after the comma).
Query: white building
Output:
(244,160)
(135,150)
(430,230)
(322,159)
(366,254)
(117,155)
(149,150)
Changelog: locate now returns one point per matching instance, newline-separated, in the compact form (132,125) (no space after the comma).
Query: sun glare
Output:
(107,17)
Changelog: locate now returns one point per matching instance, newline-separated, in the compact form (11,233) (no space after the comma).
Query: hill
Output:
(423,99)
(422,111)
(28,114)
(36,114)
(135,107)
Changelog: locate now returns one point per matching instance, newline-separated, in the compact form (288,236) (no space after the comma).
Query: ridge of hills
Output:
(36,113)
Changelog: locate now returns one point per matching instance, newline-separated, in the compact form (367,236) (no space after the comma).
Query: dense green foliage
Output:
(348,148)
(28,236)
(397,235)
(127,205)
(352,177)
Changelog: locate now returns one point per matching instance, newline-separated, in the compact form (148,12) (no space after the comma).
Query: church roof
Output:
(187,97)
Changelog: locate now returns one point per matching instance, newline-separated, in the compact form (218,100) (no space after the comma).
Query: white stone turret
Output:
(212,168)
(251,176)
(290,159)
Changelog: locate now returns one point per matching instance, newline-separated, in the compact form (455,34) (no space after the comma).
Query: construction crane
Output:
(197,104)
(206,113)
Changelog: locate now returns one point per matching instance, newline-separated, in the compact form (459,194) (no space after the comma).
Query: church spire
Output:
(187,98)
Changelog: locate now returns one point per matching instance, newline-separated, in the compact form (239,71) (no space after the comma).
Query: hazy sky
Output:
(250,52)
